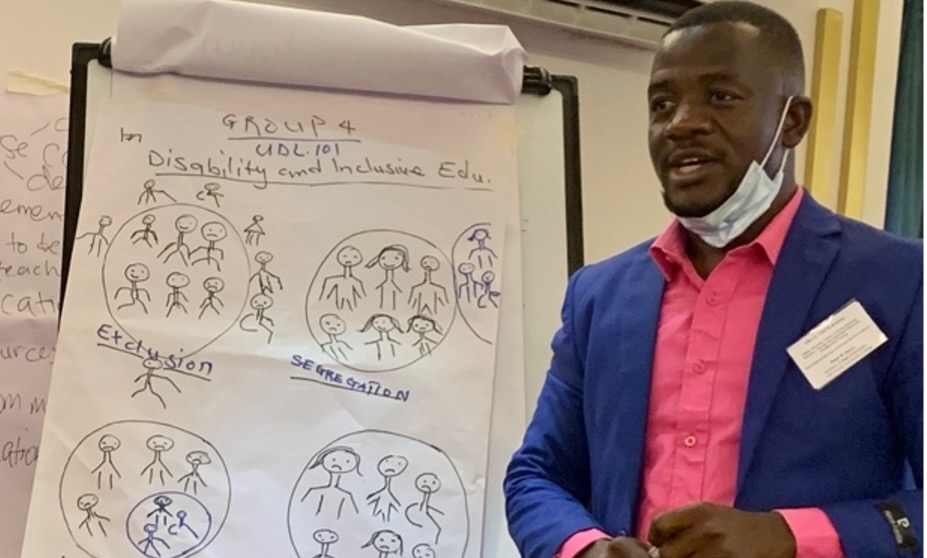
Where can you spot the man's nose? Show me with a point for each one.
(688, 119)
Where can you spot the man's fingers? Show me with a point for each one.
(694, 542)
(671, 524)
(624, 547)
(683, 546)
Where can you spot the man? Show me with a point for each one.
(674, 422)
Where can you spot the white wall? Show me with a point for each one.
(620, 191)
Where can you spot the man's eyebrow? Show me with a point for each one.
(658, 85)
(719, 76)
(661, 84)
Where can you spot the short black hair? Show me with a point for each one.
(779, 34)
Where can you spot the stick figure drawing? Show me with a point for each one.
(383, 324)
(331, 498)
(390, 258)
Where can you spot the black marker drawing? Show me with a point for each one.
(98, 239)
(480, 236)
(151, 365)
(265, 279)
(203, 318)
(423, 325)
(150, 195)
(185, 224)
(136, 273)
(333, 326)
(343, 286)
(337, 462)
(383, 325)
(161, 513)
(426, 296)
(210, 190)
(326, 538)
(387, 543)
(181, 524)
(422, 514)
(383, 501)
(477, 270)
(158, 445)
(469, 285)
(488, 293)
(212, 232)
(405, 478)
(149, 543)
(147, 233)
(213, 286)
(254, 231)
(423, 550)
(390, 258)
(108, 444)
(176, 281)
(196, 459)
(86, 504)
(259, 318)
(346, 288)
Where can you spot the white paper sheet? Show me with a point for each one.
(33, 143)
(265, 452)
(273, 44)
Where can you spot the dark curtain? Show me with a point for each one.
(904, 212)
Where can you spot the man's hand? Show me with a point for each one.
(713, 531)
(619, 547)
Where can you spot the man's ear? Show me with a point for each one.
(797, 122)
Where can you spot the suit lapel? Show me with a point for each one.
(638, 333)
(806, 257)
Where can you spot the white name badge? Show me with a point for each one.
(836, 344)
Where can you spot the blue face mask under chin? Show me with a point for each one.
(752, 198)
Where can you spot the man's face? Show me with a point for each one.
(715, 99)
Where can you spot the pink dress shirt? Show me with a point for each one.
(704, 347)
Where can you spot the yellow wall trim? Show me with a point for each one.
(863, 42)
(824, 82)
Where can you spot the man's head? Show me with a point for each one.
(718, 87)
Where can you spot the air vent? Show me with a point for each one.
(637, 22)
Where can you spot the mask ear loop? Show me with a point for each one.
(772, 147)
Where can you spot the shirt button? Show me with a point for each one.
(699, 366)
(713, 299)
(690, 441)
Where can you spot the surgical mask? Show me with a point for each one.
(752, 198)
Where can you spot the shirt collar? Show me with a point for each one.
(668, 250)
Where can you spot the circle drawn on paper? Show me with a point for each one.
(143, 488)
(372, 491)
(176, 272)
(381, 300)
(477, 284)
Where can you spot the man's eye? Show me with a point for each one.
(722, 97)
(659, 105)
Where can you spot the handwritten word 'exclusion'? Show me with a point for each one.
(329, 377)
(111, 337)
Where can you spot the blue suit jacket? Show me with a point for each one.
(845, 448)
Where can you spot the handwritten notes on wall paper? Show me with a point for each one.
(33, 143)
(279, 333)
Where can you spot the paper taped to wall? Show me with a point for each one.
(33, 144)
